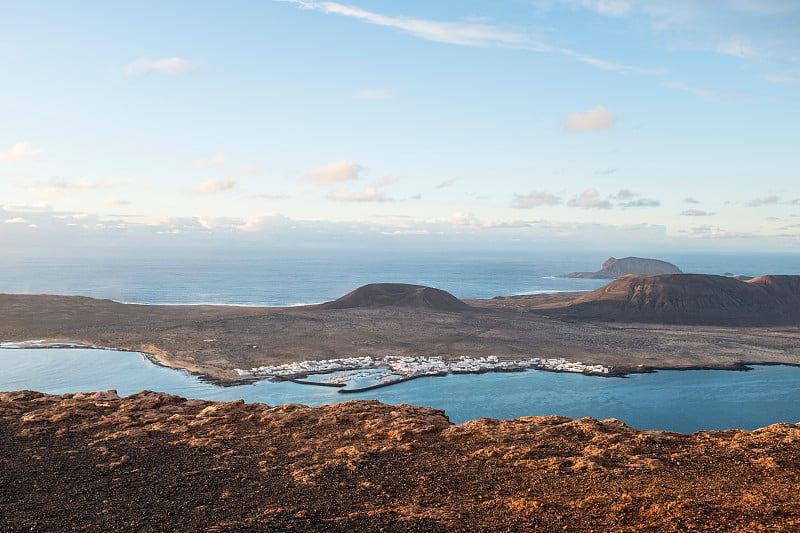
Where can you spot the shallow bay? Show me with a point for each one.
(683, 401)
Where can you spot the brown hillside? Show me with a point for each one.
(397, 295)
(690, 299)
(153, 462)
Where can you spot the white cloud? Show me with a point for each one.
(711, 95)
(714, 232)
(28, 208)
(374, 94)
(116, 202)
(469, 220)
(598, 118)
(737, 47)
(370, 194)
(534, 199)
(696, 213)
(20, 152)
(788, 78)
(59, 187)
(691, 200)
(216, 161)
(589, 199)
(212, 186)
(269, 196)
(641, 202)
(462, 33)
(338, 171)
(466, 33)
(16, 220)
(389, 180)
(760, 202)
(624, 194)
(169, 65)
(447, 183)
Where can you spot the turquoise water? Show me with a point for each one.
(683, 401)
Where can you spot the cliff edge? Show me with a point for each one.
(154, 462)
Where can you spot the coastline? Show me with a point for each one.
(161, 358)
(211, 342)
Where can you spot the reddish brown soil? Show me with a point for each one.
(152, 462)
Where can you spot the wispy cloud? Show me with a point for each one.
(606, 171)
(737, 47)
(469, 220)
(641, 202)
(534, 199)
(59, 187)
(215, 162)
(715, 232)
(691, 200)
(624, 194)
(710, 95)
(466, 33)
(116, 202)
(369, 194)
(335, 172)
(20, 152)
(169, 65)
(461, 33)
(787, 78)
(598, 118)
(589, 199)
(16, 220)
(212, 186)
(447, 183)
(761, 202)
(696, 213)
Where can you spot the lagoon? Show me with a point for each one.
(684, 401)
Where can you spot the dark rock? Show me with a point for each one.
(613, 268)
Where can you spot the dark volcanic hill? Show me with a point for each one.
(613, 268)
(690, 299)
(397, 295)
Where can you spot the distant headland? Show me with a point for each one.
(613, 268)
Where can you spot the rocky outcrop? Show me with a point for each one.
(398, 295)
(613, 268)
(153, 462)
(690, 299)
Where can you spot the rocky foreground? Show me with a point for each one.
(153, 462)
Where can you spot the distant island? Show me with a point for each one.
(613, 268)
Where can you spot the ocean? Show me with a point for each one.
(285, 278)
(681, 401)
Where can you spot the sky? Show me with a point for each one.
(517, 123)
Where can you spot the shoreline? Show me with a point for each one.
(161, 358)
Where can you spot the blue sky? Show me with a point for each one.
(570, 122)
